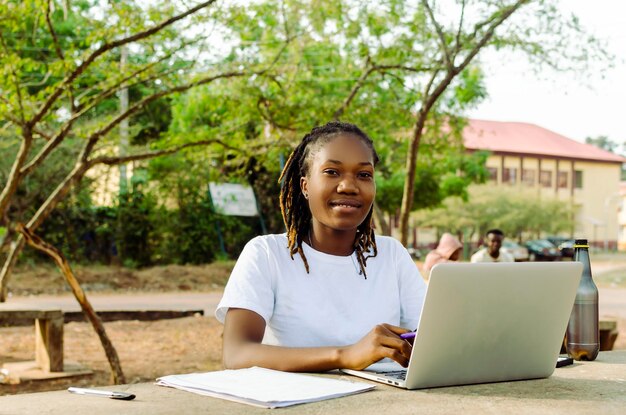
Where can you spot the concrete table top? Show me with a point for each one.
(583, 388)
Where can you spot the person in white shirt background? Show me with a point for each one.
(329, 293)
(491, 252)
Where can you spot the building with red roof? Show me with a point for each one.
(533, 157)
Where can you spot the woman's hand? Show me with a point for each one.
(382, 341)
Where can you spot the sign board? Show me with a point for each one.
(233, 199)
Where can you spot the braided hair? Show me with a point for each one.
(293, 205)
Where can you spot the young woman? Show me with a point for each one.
(328, 294)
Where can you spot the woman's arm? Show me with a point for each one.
(243, 333)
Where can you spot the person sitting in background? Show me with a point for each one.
(491, 252)
(448, 249)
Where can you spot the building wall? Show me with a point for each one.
(598, 199)
(621, 218)
(596, 202)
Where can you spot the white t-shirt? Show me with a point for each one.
(331, 306)
(483, 256)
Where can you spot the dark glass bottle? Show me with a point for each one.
(583, 336)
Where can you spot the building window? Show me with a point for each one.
(528, 177)
(493, 173)
(561, 180)
(509, 175)
(545, 178)
(578, 179)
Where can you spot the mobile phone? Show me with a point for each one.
(564, 361)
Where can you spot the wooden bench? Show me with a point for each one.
(48, 335)
(49, 362)
(608, 334)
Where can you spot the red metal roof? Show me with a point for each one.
(530, 139)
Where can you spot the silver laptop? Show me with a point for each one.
(488, 322)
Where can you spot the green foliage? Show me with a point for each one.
(310, 82)
(603, 142)
(518, 212)
(360, 61)
(137, 232)
(134, 227)
(84, 233)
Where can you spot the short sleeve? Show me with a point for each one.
(250, 284)
(412, 288)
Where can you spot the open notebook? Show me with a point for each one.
(487, 322)
(265, 388)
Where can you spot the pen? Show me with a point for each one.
(104, 394)
(409, 335)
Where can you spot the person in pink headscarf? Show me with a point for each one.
(449, 249)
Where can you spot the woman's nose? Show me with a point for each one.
(347, 185)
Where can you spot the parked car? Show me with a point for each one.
(519, 252)
(542, 250)
(566, 246)
(414, 252)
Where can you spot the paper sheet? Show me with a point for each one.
(264, 387)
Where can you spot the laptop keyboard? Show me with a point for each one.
(398, 374)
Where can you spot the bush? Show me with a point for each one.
(138, 233)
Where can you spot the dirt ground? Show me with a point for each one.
(40, 279)
(147, 349)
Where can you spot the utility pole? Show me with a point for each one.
(123, 144)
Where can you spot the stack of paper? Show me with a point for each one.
(263, 387)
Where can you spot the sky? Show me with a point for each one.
(562, 102)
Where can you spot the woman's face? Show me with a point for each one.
(340, 183)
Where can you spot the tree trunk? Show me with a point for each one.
(409, 183)
(42, 213)
(9, 263)
(14, 178)
(380, 222)
(117, 376)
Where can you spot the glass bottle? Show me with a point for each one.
(583, 336)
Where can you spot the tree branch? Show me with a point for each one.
(267, 114)
(55, 39)
(136, 107)
(14, 176)
(117, 375)
(116, 86)
(112, 161)
(457, 47)
(105, 48)
(415, 69)
(50, 145)
(358, 84)
(440, 34)
(500, 17)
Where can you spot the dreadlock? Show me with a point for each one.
(293, 205)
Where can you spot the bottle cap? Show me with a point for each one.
(580, 243)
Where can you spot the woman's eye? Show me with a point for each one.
(366, 175)
(331, 172)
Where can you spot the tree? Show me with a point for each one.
(452, 47)
(603, 142)
(424, 58)
(340, 64)
(61, 70)
(518, 213)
